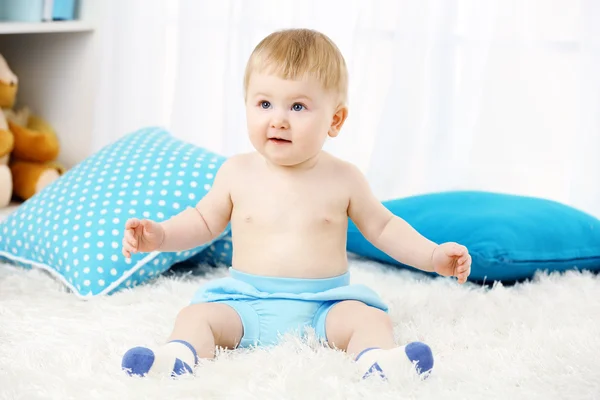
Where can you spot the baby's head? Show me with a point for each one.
(295, 87)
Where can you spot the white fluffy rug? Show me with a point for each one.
(539, 340)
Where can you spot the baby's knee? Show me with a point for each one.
(374, 316)
(362, 313)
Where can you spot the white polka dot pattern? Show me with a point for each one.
(74, 227)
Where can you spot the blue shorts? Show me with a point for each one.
(272, 306)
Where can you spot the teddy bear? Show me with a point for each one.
(8, 91)
(29, 146)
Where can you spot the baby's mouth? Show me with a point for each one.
(279, 140)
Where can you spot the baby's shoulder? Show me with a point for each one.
(341, 169)
(239, 162)
(343, 174)
(237, 167)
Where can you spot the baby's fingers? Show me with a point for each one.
(130, 238)
(463, 270)
(127, 249)
(464, 259)
(130, 244)
(456, 250)
(132, 223)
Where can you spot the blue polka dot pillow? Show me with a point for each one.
(74, 227)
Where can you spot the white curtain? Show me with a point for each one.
(444, 94)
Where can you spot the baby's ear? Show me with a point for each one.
(338, 120)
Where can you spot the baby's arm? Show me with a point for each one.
(384, 230)
(198, 225)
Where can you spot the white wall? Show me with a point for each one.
(519, 133)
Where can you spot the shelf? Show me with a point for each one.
(7, 28)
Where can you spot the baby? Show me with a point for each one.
(288, 204)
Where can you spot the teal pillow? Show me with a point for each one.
(74, 227)
(509, 237)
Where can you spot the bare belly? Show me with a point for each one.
(292, 254)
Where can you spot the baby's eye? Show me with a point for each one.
(298, 107)
(265, 104)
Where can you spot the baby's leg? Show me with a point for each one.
(366, 333)
(198, 329)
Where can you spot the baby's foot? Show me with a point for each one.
(377, 361)
(174, 358)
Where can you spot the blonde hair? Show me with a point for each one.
(295, 53)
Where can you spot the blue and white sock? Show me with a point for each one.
(174, 358)
(377, 361)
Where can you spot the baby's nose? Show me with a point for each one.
(279, 123)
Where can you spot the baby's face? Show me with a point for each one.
(288, 120)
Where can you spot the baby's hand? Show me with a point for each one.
(452, 259)
(142, 236)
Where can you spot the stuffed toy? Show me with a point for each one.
(28, 144)
(8, 91)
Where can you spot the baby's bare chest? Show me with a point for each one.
(293, 205)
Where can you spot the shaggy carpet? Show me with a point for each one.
(536, 340)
